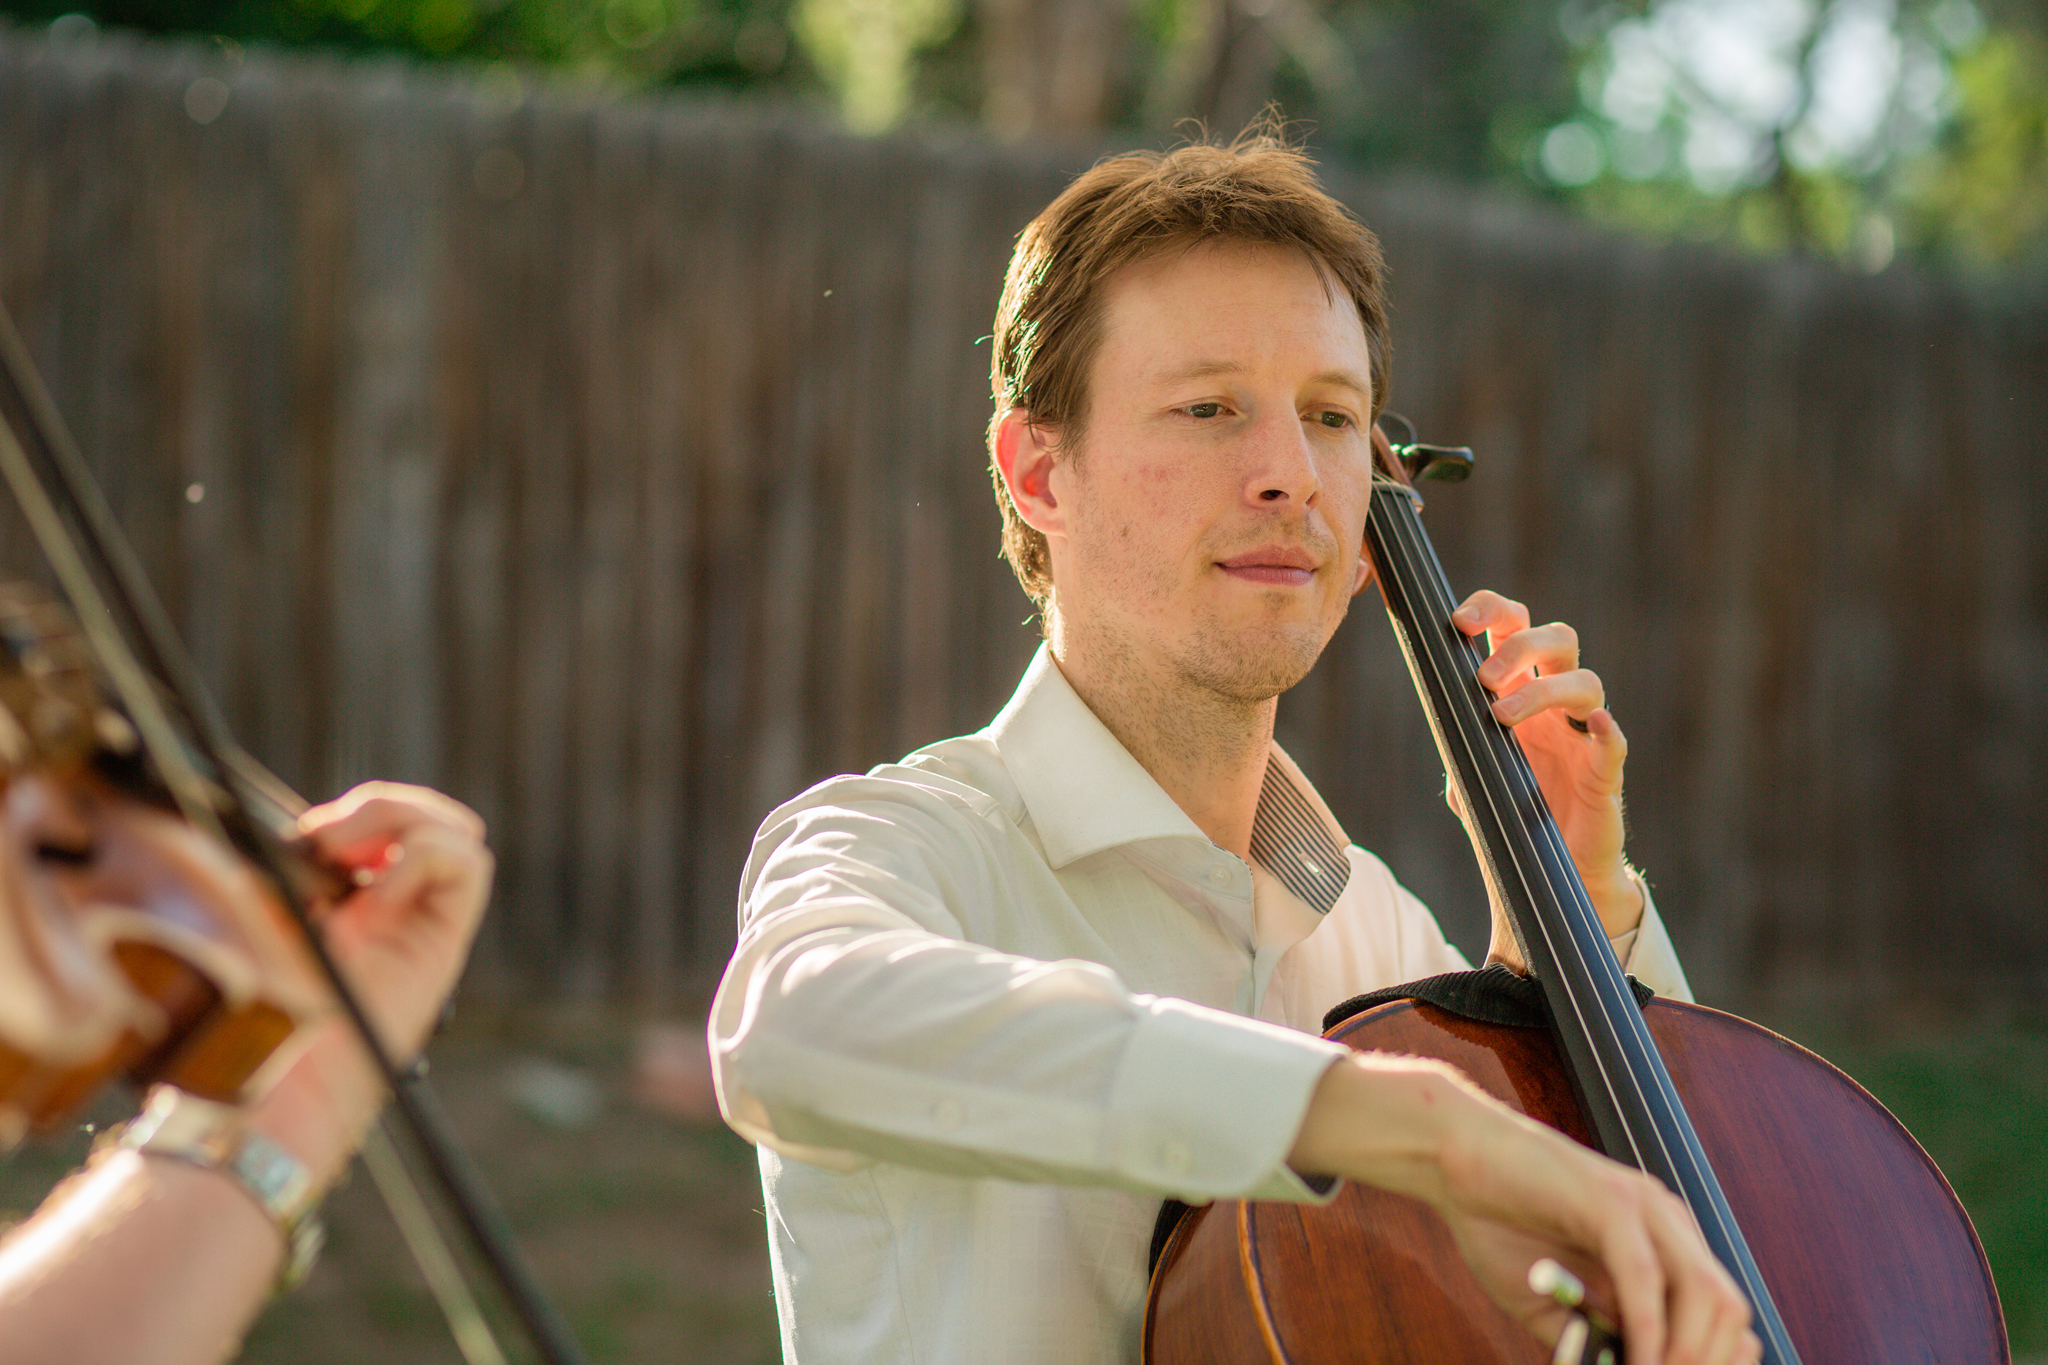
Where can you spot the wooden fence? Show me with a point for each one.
(616, 466)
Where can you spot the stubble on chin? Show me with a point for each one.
(1248, 660)
(1226, 665)
(1207, 695)
(1248, 665)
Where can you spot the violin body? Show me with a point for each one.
(1870, 1256)
(187, 1034)
(131, 943)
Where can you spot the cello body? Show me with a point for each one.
(1840, 1231)
(1869, 1254)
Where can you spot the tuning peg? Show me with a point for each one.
(1436, 464)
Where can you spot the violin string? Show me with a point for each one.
(25, 402)
(129, 681)
(1465, 711)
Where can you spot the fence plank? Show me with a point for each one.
(618, 466)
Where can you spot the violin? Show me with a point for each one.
(131, 944)
(1850, 1246)
(156, 920)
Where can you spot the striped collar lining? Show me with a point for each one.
(1296, 840)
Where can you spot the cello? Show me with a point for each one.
(1839, 1229)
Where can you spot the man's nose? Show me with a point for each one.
(1280, 465)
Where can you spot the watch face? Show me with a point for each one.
(272, 1173)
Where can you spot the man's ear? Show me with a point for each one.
(1024, 452)
(1363, 575)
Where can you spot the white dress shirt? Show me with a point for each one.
(992, 1003)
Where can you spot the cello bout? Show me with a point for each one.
(1871, 1257)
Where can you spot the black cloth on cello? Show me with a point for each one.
(1491, 995)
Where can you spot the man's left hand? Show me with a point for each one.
(1535, 673)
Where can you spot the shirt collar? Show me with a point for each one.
(1085, 792)
(1083, 789)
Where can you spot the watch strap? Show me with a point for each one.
(215, 1137)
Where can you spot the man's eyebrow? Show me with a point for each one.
(1344, 379)
(1209, 369)
(1203, 369)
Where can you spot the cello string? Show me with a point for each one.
(1412, 543)
(1458, 706)
(1433, 588)
(1462, 705)
(1462, 712)
(1436, 587)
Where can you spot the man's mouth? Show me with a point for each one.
(1280, 566)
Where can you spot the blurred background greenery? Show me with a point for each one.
(1859, 130)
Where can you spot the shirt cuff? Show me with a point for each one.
(1207, 1105)
(1646, 952)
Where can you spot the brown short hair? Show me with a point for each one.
(1130, 208)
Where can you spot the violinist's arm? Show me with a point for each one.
(142, 1259)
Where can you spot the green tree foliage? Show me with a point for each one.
(1851, 129)
(1854, 129)
(742, 44)
(868, 49)
(1982, 195)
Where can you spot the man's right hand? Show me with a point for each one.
(1513, 1191)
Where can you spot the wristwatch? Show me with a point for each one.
(214, 1136)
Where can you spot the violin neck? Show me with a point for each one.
(1623, 1086)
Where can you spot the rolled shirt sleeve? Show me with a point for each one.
(857, 1023)
(1646, 953)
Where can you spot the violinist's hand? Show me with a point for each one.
(1535, 672)
(423, 878)
(1514, 1191)
(184, 1256)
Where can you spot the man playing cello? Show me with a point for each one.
(992, 1003)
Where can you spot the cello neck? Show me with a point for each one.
(1622, 1083)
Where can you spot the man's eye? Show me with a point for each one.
(1205, 410)
(1334, 419)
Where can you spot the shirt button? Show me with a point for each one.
(948, 1115)
(1176, 1157)
(1219, 875)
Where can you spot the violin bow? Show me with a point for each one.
(224, 791)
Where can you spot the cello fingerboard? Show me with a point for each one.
(1623, 1085)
